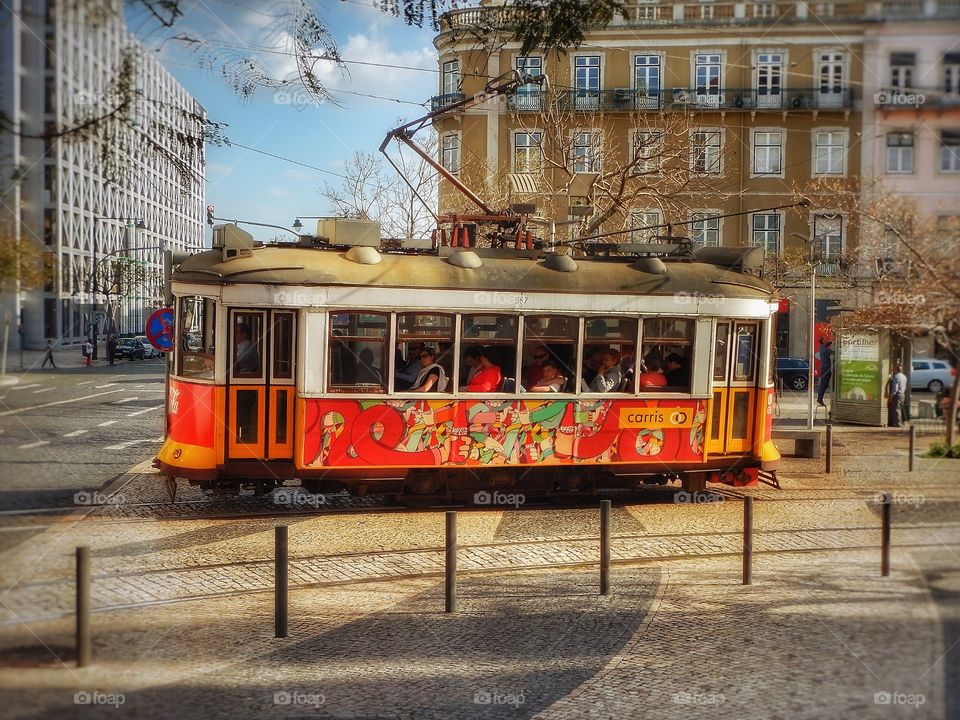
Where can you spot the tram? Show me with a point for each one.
(309, 363)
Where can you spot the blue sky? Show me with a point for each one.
(250, 186)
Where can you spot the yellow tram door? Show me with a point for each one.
(734, 387)
(260, 385)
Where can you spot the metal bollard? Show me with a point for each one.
(451, 564)
(747, 540)
(885, 542)
(829, 453)
(84, 648)
(605, 526)
(913, 445)
(280, 580)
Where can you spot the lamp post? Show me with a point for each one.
(136, 223)
(812, 259)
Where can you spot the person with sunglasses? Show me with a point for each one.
(408, 370)
(431, 377)
(534, 371)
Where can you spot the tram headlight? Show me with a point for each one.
(177, 453)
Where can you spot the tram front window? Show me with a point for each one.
(358, 352)
(667, 354)
(195, 345)
(247, 345)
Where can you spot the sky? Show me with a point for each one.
(246, 185)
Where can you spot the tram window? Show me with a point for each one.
(668, 351)
(745, 352)
(721, 353)
(196, 326)
(550, 353)
(489, 341)
(282, 332)
(248, 345)
(418, 333)
(609, 354)
(358, 352)
(247, 429)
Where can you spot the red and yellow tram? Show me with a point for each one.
(290, 364)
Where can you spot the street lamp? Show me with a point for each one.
(136, 223)
(812, 259)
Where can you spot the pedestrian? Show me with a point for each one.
(48, 356)
(895, 393)
(826, 369)
(88, 352)
(111, 348)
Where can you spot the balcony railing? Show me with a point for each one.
(441, 101)
(630, 100)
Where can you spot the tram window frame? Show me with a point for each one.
(625, 337)
(664, 344)
(549, 342)
(255, 322)
(196, 363)
(433, 339)
(751, 377)
(495, 345)
(283, 341)
(334, 340)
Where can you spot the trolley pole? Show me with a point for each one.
(280, 580)
(84, 652)
(451, 563)
(885, 542)
(605, 527)
(748, 540)
(829, 454)
(913, 445)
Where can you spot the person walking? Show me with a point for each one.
(111, 348)
(48, 356)
(88, 352)
(895, 392)
(826, 369)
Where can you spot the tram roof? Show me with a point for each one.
(293, 265)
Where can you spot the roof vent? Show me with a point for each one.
(363, 255)
(560, 263)
(651, 265)
(232, 242)
(467, 259)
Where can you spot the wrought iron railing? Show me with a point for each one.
(442, 101)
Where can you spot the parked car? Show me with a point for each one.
(794, 371)
(932, 375)
(149, 350)
(130, 348)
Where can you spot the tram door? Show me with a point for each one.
(261, 391)
(734, 387)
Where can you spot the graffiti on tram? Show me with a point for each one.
(429, 433)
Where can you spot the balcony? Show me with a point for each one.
(438, 102)
(676, 99)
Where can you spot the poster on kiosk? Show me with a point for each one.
(862, 367)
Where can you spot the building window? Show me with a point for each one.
(950, 151)
(901, 70)
(705, 229)
(769, 80)
(828, 233)
(643, 225)
(451, 153)
(528, 95)
(586, 82)
(705, 152)
(646, 80)
(647, 151)
(450, 78)
(951, 73)
(829, 152)
(527, 156)
(766, 232)
(899, 152)
(830, 67)
(586, 152)
(707, 75)
(767, 153)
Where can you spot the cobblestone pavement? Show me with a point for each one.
(819, 634)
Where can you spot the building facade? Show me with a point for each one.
(102, 162)
(715, 117)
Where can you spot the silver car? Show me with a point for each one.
(149, 351)
(932, 375)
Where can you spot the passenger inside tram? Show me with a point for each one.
(550, 379)
(488, 378)
(608, 377)
(367, 372)
(652, 377)
(676, 371)
(432, 377)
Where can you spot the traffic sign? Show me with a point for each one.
(160, 329)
